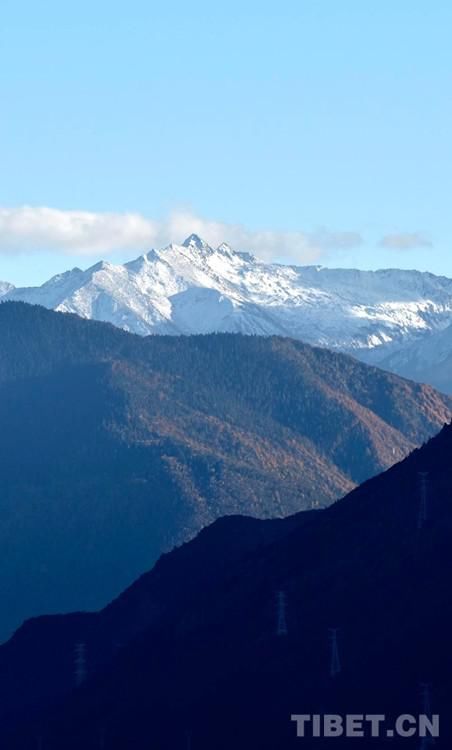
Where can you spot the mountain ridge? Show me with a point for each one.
(141, 441)
(194, 288)
(207, 646)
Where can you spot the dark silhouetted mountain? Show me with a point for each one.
(193, 647)
(114, 448)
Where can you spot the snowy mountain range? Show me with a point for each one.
(400, 320)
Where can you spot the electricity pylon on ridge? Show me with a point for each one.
(424, 509)
(80, 663)
(335, 662)
(281, 600)
(426, 701)
(102, 738)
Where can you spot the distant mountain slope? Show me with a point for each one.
(199, 633)
(114, 448)
(193, 288)
(428, 359)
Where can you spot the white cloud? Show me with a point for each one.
(405, 241)
(28, 229)
(36, 229)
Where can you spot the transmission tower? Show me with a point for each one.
(281, 601)
(80, 663)
(102, 738)
(335, 663)
(424, 515)
(426, 701)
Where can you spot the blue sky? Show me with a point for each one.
(317, 129)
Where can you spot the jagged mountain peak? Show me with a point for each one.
(194, 241)
(224, 248)
(102, 265)
(194, 288)
(5, 287)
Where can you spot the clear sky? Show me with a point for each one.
(310, 131)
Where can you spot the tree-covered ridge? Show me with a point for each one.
(113, 447)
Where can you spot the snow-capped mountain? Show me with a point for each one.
(427, 359)
(5, 288)
(194, 288)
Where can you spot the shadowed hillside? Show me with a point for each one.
(115, 448)
(196, 644)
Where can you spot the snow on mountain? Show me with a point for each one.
(427, 359)
(5, 287)
(194, 288)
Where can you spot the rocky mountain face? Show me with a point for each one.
(345, 610)
(114, 447)
(193, 288)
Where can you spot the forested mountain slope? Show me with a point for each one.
(114, 448)
(197, 643)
